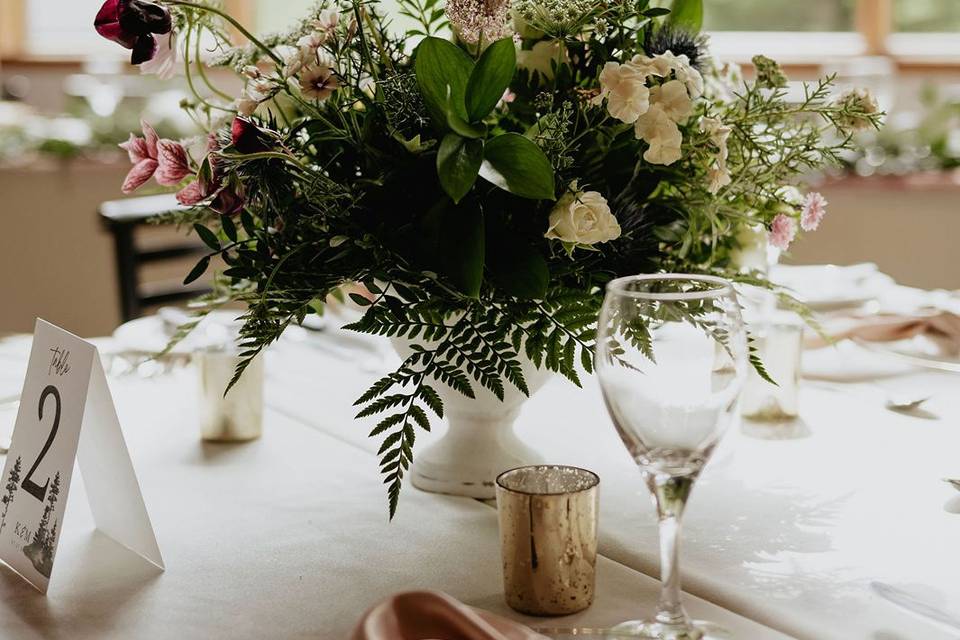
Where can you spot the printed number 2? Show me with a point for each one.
(29, 485)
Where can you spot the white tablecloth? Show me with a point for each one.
(287, 536)
(283, 537)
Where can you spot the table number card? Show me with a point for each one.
(66, 413)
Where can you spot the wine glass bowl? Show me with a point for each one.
(671, 359)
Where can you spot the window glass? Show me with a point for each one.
(65, 29)
(927, 15)
(780, 15)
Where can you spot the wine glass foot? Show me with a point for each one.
(655, 630)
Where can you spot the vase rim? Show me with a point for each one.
(621, 286)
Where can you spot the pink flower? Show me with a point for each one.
(143, 155)
(783, 230)
(193, 193)
(151, 156)
(814, 208)
(173, 163)
(225, 199)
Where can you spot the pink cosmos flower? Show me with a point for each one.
(814, 208)
(783, 230)
(165, 159)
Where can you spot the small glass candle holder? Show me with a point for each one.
(548, 538)
(238, 415)
(779, 343)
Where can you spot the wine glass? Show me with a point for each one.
(671, 359)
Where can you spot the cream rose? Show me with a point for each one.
(582, 217)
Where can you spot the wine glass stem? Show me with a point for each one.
(671, 494)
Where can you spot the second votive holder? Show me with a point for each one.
(548, 538)
(779, 342)
(238, 415)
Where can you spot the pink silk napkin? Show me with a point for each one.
(431, 615)
(943, 327)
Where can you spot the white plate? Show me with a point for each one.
(150, 334)
(830, 287)
(919, 351)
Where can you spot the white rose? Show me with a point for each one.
(661, 133)
(672, 98)
(627, 94)
(540, 56)
(582, 217)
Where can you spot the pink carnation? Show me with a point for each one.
(783, 230)
(814, 208)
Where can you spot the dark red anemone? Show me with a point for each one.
(132, 24)
(248, 137)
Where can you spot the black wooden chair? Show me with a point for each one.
(123, 219)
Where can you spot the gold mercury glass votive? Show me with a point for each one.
(238, 416)
(548, 538)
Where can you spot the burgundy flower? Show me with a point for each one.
(247, 137)
(132, 24)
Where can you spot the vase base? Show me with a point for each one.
(481, 489)
(470, 472)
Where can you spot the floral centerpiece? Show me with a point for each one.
(483, 174)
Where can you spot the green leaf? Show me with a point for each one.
(442, 70)
(462, 248)
(458, 162)
(229, 228)
(360, 300)
(209, 237)
(516, 164)
(197, 270)
(654, 12)
(464, 128)
(490, 78)
(687, 14)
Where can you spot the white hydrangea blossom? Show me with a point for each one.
(626, 91)
(659, 131)
(655, 110)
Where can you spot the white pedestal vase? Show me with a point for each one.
(480, 442)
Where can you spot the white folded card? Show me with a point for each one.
(66, 413)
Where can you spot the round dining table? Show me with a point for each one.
(837, 525)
